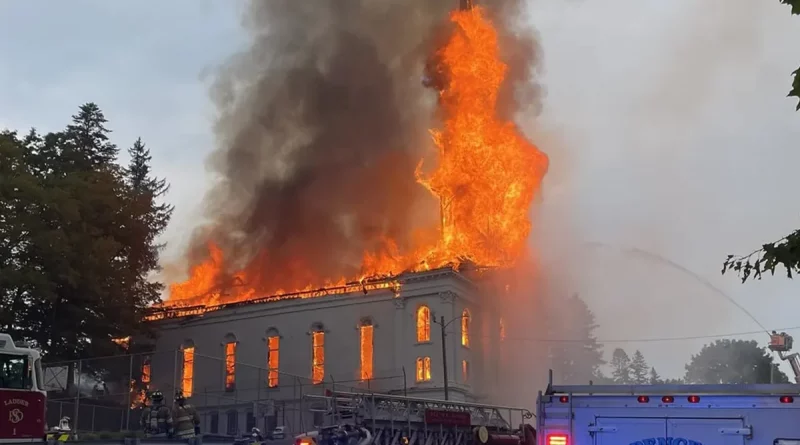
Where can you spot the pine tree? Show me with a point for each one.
(639, 368)
(15, 183)
(674, 381)
(655, 379)
(77, 239)
(138, 172)
(150, 218)
(87, 138)
(578, 361)
(621, 367)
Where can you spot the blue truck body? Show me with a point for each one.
(669, 415)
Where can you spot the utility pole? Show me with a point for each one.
(444, 360)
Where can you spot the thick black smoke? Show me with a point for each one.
(321, 123)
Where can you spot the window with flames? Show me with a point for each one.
(466, 320)
(230, 366)
(366, 330)
(187, 380)
(317, 357)
(273, 360)
(423, 324)
(423, 369)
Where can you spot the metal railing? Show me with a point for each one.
(103, 395)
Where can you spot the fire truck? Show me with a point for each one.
(382, 419)
(23, 400)
(762, 414)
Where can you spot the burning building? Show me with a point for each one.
(251, 363)
(324, 186)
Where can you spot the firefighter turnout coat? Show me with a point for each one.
(186, 420)
(157, 419)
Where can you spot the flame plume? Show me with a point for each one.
(485, 176)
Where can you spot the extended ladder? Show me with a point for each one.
(398, 420)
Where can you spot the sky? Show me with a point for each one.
(667, 125)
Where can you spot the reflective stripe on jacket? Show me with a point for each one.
(186, 419)
(157, 420)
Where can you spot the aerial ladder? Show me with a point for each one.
(782, 344)
(384, 419)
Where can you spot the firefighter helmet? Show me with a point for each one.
(157, 396)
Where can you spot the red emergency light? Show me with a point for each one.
(563, 399)
(668, 399)
(643, 399)
(557, 439)
(787, 399)
(693, 399)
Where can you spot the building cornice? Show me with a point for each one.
(398, 288)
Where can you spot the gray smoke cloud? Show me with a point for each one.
(321, 122)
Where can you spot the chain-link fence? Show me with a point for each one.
(99, 394)
(108, 394)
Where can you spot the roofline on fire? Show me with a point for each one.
(394, 283)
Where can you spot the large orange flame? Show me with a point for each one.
(486, 178)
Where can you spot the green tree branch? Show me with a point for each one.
(785, 251)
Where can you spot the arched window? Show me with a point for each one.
(502, 329)
(423, 324)
(366, 331)
(466, 321)
(230, 362)
(317, 354)
(273, 357)
(187, 372)
(423, 369)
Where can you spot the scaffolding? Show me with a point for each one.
(399, 420)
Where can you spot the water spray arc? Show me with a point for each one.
(656, 258)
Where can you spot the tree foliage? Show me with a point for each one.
(795, 92)
(639, 369)
(576, 362)
(632, 371)
(733, 362)
(786, 251)
(77, 238)
(654, 378)
(621, 367)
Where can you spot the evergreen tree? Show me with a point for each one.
(578, 360)
(621, 367)
(87, 140)
(150, 219)
(655, 379)
(674, 382)
(77, 238)
(639, 368)
(15, 222)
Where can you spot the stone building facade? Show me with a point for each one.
(252, 364)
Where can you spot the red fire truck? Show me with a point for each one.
(23, 400)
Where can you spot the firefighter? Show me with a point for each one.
(157, 418)
(187, 422)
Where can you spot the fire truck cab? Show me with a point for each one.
(22, 396)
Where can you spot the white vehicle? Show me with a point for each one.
(766, 414)
(279, 432)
